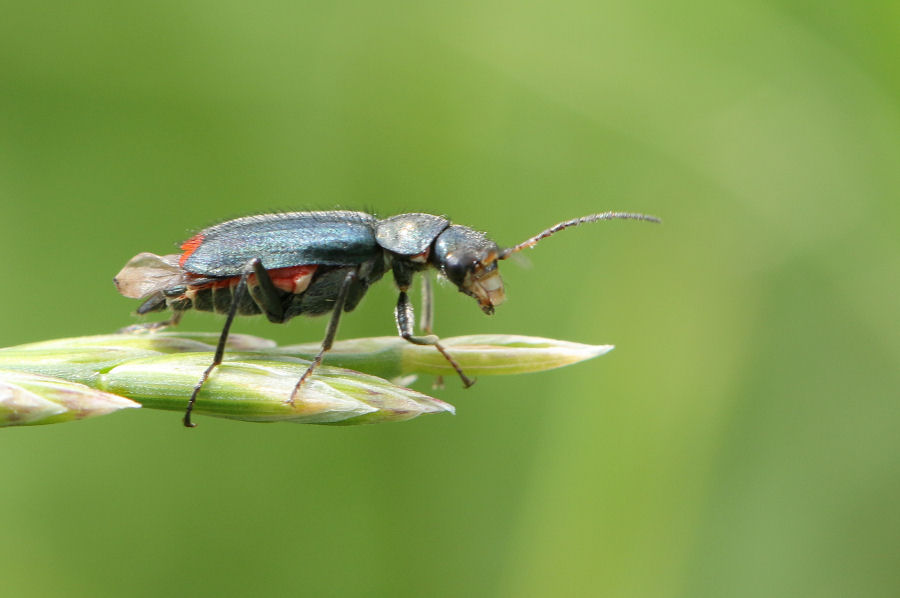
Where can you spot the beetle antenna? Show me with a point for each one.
(574, 222)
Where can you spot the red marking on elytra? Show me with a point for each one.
(189, 247)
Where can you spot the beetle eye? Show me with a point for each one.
(456, 267)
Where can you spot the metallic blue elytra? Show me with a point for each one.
(312, 263)
(338, 238)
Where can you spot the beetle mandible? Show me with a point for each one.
(312, 263)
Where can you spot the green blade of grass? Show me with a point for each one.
(159, 370)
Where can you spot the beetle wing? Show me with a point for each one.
(147, 273)
(335, 238)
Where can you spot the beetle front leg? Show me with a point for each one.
(349, 279)
(405, 321)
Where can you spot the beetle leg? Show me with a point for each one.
(427, 321)
(405, 319)
(153, 326)
(239, 291)
(267, 295)
(331, 332)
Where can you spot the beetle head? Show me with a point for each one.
(469, 260)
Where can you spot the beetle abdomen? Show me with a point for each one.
(216, 295)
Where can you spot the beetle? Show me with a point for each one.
(313, 263)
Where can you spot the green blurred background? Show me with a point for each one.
(740, 441)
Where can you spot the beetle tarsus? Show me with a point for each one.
(467, 382)
(435, 342)
(197, 387)
(152, 326)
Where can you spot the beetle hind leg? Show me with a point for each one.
(153, 326)
(239, 291)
